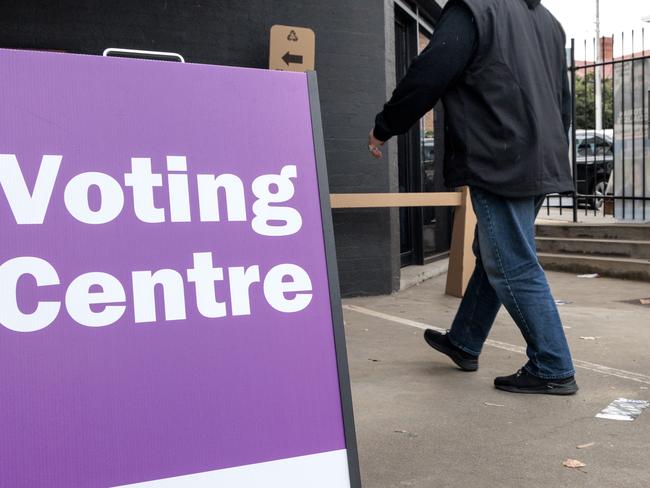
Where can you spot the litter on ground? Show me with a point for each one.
(623, 409)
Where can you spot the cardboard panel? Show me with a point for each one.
(292, 48)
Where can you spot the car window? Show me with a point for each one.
(586, 147)
(603, 148)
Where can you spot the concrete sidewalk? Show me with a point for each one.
(423, 423)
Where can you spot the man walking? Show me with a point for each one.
(499, 67)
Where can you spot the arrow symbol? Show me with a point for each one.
(292, 58)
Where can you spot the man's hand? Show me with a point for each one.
(374, 144)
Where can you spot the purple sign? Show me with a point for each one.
(165, 308)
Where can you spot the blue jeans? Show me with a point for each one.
(508, 272)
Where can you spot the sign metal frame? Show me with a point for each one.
(333, 280)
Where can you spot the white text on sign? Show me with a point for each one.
(97, 299)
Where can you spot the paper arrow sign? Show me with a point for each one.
(292, 58)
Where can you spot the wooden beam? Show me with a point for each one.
(385, 200)
(461, 258)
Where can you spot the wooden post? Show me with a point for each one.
(461, 257)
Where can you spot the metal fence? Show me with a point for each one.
(610, 146)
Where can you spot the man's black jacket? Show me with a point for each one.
(499, 67)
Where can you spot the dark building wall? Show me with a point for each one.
(351, 62)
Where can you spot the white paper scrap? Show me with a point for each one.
(623, 409)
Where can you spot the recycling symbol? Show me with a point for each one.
(292, 36)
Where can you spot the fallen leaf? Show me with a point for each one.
(573, 463)
(488, 404)
(586, 446)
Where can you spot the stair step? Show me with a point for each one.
(622, 248)
(625, 268)
(633, 232)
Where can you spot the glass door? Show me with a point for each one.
(436, 221)
(425, 233)
(408, 146)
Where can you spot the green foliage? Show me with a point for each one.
(586, 102)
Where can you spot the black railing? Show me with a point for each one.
(610, 153)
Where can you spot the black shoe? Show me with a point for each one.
(524, 382)
(440, 342)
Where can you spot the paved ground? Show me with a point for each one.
(422, 423)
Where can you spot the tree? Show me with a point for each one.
(586, 102)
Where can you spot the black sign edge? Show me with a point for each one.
(333, 279)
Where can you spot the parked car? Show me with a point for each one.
(595, 162)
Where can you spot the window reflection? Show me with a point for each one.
(427, 158)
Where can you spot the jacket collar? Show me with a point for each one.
(532, 3)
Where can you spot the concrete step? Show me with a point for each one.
(630, 232)
(625, 268)
(618, 248)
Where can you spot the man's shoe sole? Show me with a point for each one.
(541, 390)
(463, 364)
